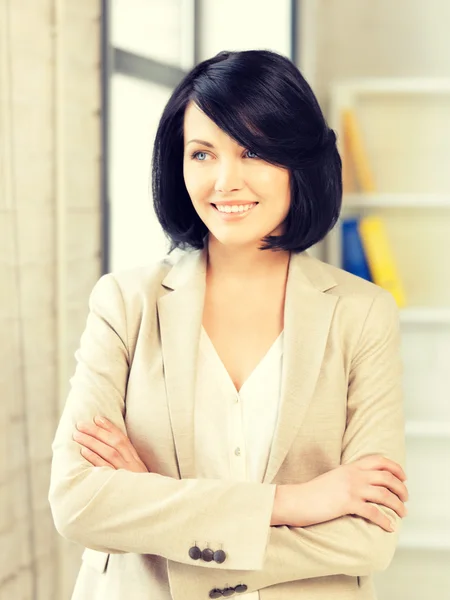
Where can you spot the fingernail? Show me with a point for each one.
(392, 527)
(100, 420)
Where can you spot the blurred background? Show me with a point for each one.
(82, 87)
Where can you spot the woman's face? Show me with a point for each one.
(221, 174)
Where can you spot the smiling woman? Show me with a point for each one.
(227, 182)
(245, 128)
(253, 432)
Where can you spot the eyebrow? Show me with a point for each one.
(201, 142)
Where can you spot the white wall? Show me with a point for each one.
(135, 235)
(362, 38)
(150, 28)
(244, 25)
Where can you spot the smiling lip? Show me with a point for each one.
(232, 203)
(228, 216)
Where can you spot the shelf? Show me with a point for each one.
(427, 429)
(425, 533)
(425, 315)
(424, 541)
(371, 201)
(397, 85)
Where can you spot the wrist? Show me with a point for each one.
(294, 506)
(281, 505)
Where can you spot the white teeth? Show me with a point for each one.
(235, 208)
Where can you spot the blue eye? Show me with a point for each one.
(195, 156)
(199, 154)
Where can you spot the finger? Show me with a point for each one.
(381, 463)
(374, 515)
(387, 480)
(389, 465)
(109, 454)
(383, 496)
(115, 439)
(94, 458)
(106, 424)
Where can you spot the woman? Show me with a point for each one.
(235, 425)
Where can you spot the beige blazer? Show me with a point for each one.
(341, 400)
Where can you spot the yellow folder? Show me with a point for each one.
(380, 259)
(355, 150)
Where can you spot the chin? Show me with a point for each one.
(236, 239)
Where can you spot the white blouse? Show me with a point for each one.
(234, 430)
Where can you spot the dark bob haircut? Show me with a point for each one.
(261, 100)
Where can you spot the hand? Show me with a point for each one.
(104, 445)
(348, 489)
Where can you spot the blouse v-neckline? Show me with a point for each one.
(276, 346)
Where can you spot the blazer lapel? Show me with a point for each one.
(307, 320)
(180, 313)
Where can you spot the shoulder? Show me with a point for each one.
(144, 278)
(345, 285)
(135, 288)
(365, 319)
(357, 298)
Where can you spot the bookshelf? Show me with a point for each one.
(429, 541)
(425, 315)
(413, 199)
(370, 201)
(427, 429)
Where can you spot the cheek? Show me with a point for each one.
(274, 184)
(285, 185)
(196, 184)
(189, 180)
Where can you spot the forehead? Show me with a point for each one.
(197, 124)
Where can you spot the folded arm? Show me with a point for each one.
(348, 545)
(118, 511)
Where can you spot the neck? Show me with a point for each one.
(245, 264)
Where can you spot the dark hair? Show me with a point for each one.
(261, 100)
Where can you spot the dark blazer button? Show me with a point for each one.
(195, 552)
(207, 554)
(219, 556)
(215, 593)
(240, 588)
(228, 591)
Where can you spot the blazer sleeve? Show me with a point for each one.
(348, 545)
(116, 511)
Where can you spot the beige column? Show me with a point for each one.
(49, 260)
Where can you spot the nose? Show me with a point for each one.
(229, 176)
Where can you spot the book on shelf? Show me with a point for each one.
(382, 265)
(367, 253)
(356, 161)
(353, 256)
(366, 250)
(349, 181)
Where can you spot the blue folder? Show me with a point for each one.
(353, 255)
